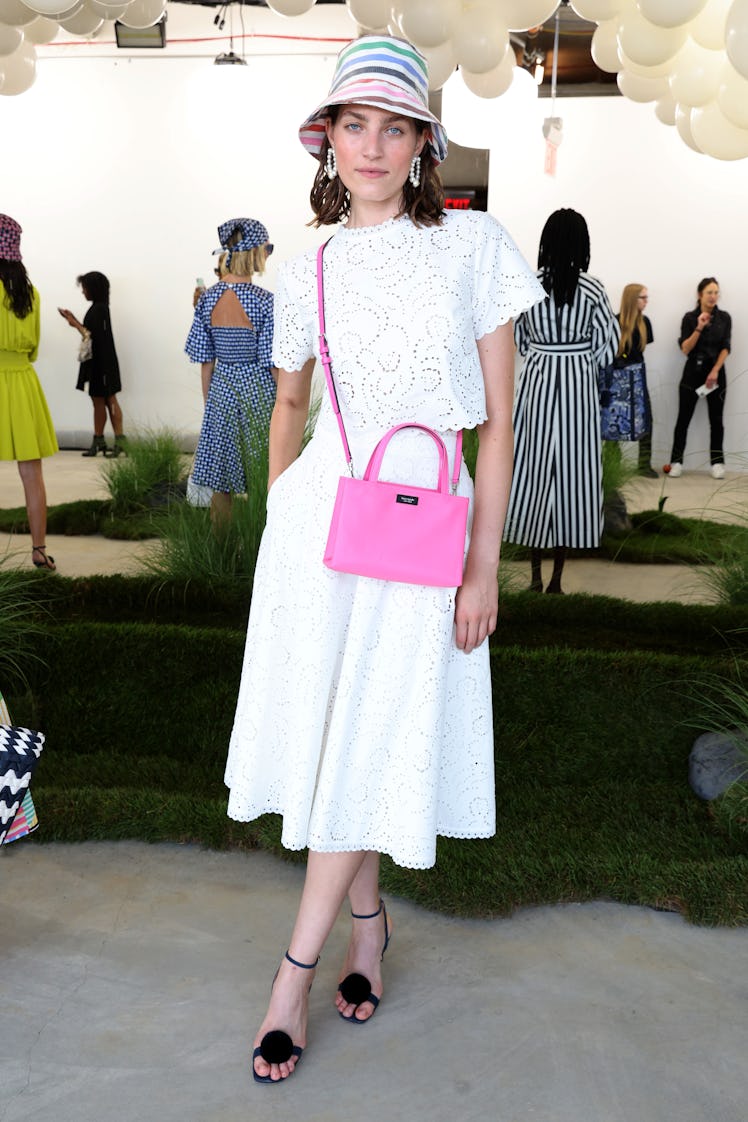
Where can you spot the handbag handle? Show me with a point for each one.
(324, 354)
(375, 463)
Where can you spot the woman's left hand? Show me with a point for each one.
(476, 611)
(712, 379)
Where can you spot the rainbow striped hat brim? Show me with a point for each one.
(386, 73)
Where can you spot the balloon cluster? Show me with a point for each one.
(471, 34)
(26, 23)
(689, 57)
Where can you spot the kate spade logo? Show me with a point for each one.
(409, 500)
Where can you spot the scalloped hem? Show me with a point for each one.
(404, 860)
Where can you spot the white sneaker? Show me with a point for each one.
(718, 471)
(676, 470)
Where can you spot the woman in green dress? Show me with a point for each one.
(26, 431)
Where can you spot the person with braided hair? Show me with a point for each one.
(556, 500)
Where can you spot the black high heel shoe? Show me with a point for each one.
(276, 1046)
(355, 989)
(43, 560)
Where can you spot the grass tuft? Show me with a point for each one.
(149, 476)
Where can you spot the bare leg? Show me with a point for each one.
(36, 499)
(115, 414)
(329, 877)
(99, 411)
(220, 513)
(364, 955)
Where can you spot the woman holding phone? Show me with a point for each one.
(705, 338)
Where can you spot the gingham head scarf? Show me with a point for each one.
(386, 73)
(10, 239)
(253, 234)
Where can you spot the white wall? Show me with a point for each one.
(659, 214)
(127, 165)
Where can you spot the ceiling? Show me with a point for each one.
(577, 74)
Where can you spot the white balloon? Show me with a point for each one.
(372, 15)
(604, 46)
(665, 109)
(107, 11)
(143, 13)
(291, 7)
(733, 97)
(661, 70)
(16, 14)
(85, 22)
(717, 136)
(696, 74)
(429, 23)
(521, 15)
(708, 28)
(646, 44)
(52, 8)
(670, 13)
(597, 10)
(636, 88)
(683, 125)
(10, 39)
(736, 36)
(494, 82)
(442, 63)
(19, 70)
(67, 14)
(480, 40)
(42, 30)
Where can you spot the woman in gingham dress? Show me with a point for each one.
(232, 338)
(556, 499)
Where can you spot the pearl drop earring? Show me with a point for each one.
(414, 175)
(331, 163)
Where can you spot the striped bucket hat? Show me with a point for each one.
(383, 72)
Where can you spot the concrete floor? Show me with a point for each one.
(133, 977)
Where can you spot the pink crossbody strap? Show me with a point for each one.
(324, 353)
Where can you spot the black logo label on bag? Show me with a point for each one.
(409, 500)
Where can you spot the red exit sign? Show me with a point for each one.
(459, 200)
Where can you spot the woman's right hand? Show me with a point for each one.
(68, 315)
(703, 321)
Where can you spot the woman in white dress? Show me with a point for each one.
(364, 713)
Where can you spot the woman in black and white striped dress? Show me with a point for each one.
(557, 499)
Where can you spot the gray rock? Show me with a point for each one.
(717, 759)
(616, 516)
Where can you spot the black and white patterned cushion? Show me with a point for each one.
(20, 750)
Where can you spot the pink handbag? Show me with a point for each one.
(394, 531)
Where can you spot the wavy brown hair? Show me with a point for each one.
(424, 204)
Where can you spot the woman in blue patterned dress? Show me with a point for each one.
(232, 338)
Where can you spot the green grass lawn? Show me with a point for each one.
(591, 770)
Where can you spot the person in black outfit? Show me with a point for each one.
(101, 370)
(705, 338)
